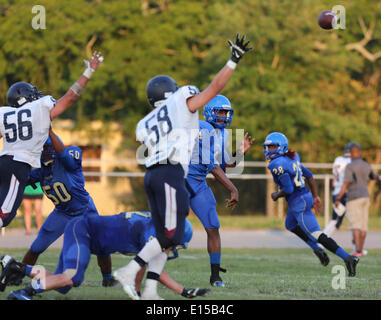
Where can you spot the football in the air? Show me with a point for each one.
(327, 19)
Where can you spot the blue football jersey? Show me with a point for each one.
(289, 174)
(63, 182)
(126, 232)
(209, 151)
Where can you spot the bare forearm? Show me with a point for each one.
(313, 188)
(221, 177)
(166, 280)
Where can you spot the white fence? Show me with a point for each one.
(326, 177)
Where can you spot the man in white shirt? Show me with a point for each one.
(24, 127)
(169, 133)
(338, 170)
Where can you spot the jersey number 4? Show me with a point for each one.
(22, 128)
(160, 123)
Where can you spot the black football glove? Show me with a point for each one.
(192, 293)
(238, 48)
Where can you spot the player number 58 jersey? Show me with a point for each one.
(169, 132)
(25, 130)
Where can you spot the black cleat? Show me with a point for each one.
(322, 255)
(216, 282)
(112, 282)
(351, 262)
(12, 271)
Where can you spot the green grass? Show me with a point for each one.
(239, 222)
(271, 274)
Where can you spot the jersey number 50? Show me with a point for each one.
(62, 195)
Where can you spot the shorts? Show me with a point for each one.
(33, 196)
(357, 213)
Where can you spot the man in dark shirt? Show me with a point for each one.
(356, 177)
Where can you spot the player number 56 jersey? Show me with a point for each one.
(25, 130)
(169, 132)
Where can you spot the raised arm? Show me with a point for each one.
(238, 49)
(76, 89)
(57, 143)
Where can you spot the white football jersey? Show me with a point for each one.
(338, 172)
(25, 130)
(169, 131)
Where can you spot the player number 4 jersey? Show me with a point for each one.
(169, 132)
(25, 130)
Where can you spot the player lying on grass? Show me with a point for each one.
(24, 126)
(289, 174)
(126, 233)
(210, 155)
(61, 178)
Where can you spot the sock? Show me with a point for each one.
(341, 253)
(157, 264)
(150, 250)
(37, 286)
(106, 276)
(215, 257)
(330, 228)
(28, 270)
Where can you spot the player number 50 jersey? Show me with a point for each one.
(169, 132)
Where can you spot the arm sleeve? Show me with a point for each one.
(71, 158)
(286, 183)
(306, 172)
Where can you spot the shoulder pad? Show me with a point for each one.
(189, 91)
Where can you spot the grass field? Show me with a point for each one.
(263, 274)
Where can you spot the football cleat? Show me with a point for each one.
(127, 280)
(216, 282)
(18, 295)
(322, 255)
(112, 282)
(351, 263)
(151, 296)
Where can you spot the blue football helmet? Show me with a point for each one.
(188, 233)
(275, 139)
(211, 109)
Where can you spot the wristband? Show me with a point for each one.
(88, 72)
(231, 64)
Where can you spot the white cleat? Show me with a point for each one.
(127, 279)
(151, 296)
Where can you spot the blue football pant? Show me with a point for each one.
(54, 227)
(203, 204)
(75, 255)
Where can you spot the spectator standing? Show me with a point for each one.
(356, 177)
(32, 196)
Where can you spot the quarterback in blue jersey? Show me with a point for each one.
(126, 233)
(61, 178)
(289, 174)
(210, 156)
